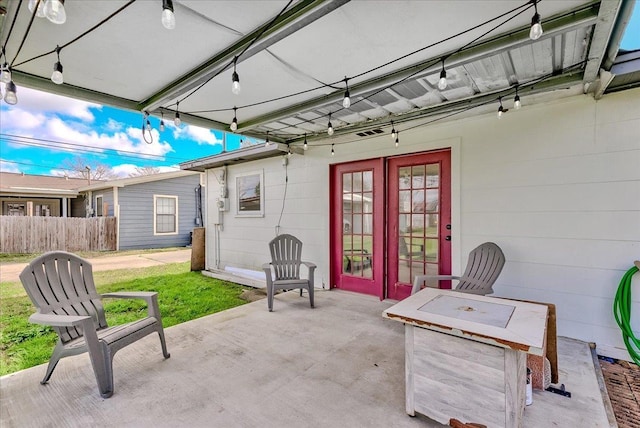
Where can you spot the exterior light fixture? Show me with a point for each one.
(346, 101)
(5, 76)
(394, 133)
(54, 11)
(305, 146)
(168, 17)
(267, 142)
(536, 26)
(329, 126)
(56, 76)
(501, 110)
(10, 96)
(176, 121)
(235, 79)
(234, 122)
(442, 83)
(516, 101)
(397, 139)
(333, 153)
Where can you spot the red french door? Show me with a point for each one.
(419, 220)
(357, 226)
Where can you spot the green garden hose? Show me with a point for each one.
(622, 312)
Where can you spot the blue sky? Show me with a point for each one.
(33, 133)
(43, 130)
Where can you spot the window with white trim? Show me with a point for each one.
(165, 215)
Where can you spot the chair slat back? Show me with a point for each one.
(62, 283)
(286, 255)
(485, 264)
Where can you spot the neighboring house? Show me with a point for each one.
(153, 211)
(41, 195)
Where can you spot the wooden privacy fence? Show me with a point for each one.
(27, 235)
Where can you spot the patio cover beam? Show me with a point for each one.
(555, 83)
(583, 16)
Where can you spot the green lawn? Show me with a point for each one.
(182, 296)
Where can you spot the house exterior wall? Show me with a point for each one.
(555, 185)
(136, 211)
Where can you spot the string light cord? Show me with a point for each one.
(525, 7)
(237, 56)
(26, 33)
(464, 110)
(13, 22)
(90, 30)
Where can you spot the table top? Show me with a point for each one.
(499, 322)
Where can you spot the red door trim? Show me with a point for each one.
(375, 285)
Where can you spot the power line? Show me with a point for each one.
(80, 148)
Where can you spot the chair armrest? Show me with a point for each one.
(54, 320)
(312, 268)
(419, 280)
(151, 297)
(309, 265)
(266, 267)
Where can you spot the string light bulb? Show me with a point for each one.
(442, 83)
(333, 152)
(305, 146)
(397, 139)
(346, 101)
(5, 76)
(235, 79)
(168, 17)
(329, 126)
(516, 101)
(267, 142)
(54, 11)
(161, 121)
(56, 76)
(39, 11)
(176, 120)
(394, 133)
(289, 153)
(234, 122)
(501, 110)
(10, 96)
(536, 27)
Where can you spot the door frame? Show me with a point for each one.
(445, 249)
(376, 285)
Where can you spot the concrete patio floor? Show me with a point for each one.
(340, 364)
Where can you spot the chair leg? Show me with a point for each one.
(105, 378)
(311, 296)
(53, 362)
(270, 297)
(162, 341)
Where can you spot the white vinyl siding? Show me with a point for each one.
(555, 185)
(165, 215)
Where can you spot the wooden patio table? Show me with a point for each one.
(465, 355)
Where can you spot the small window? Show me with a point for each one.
(250, 195)
(165, 215)
(99, 210)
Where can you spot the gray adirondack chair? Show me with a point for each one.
(61, 286)
(485, 264)
(283, 273)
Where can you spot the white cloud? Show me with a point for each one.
(37, 102)
(8, 166)
(13, 119)
(129, 141)
(124, 170)
(195, 133)
(114, 125)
